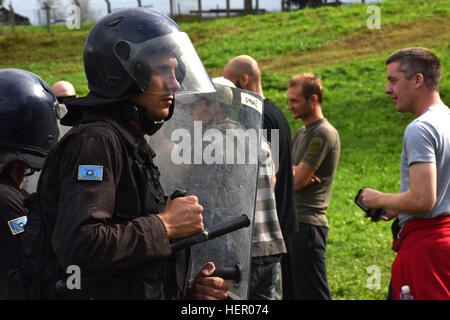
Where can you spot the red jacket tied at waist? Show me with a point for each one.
(423, 260)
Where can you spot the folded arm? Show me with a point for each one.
(304, 176)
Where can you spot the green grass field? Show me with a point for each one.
(336, 44)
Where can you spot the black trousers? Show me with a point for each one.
(303, 267)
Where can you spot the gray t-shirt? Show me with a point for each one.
(427, 139)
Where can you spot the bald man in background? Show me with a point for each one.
(63, 90)
(245, 73)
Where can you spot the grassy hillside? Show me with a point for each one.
(336, 44)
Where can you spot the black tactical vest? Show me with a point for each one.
(138, 193)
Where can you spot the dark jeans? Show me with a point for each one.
(304, 269)
(263, 278)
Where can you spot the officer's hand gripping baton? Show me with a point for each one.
(212, 232)
(208, 234)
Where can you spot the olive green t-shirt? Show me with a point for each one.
(318, 145)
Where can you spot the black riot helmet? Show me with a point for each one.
(121, 53)
(28, 118)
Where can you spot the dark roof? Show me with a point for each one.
(5, 10)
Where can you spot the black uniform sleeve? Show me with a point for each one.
(11, 247)
(84, 234)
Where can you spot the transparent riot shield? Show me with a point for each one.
(210, 149)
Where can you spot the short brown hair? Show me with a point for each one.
(418, 60)
(310, 83)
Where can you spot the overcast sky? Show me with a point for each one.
(28, 8)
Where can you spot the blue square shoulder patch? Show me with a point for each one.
(16, 225)
(90, 173)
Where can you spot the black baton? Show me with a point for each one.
(212, 232)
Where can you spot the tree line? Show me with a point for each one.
(87, 14)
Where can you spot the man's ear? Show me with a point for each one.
(313, 99)
(419, 80)
(243, 80)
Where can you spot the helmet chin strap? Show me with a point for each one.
(149, 125)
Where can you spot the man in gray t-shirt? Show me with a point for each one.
(427, 140)
(423, 205)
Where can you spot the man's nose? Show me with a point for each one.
(388, 89)
(172, 82)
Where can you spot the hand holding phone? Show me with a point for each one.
(375, 213)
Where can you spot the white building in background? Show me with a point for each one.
(28, 7)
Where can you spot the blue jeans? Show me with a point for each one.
(263, 280)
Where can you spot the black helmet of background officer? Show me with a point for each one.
(28, 114)
(123, 51)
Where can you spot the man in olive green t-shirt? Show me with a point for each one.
(315, 155)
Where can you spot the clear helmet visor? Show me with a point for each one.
(172, 59)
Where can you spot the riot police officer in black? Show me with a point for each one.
(28, 112)
(101, 204)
